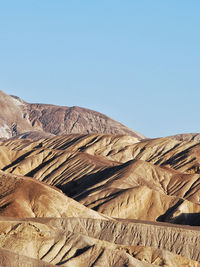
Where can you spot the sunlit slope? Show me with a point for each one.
(150, 180)
(77, 200)
(24, 197)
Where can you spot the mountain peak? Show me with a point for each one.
(18, 117)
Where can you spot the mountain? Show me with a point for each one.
(150, 180)
(76, 192)
(106, 200)
(19, 118)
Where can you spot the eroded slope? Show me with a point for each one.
(112, 178)
(92, 170)
(74, 242)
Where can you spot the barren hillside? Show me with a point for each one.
(115, 181)
(79, 189)
(19, 118)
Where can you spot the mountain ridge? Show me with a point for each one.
(78, 188)
(20, 117)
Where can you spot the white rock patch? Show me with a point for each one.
(17, 102)
(5, 131)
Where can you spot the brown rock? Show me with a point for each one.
(19, 118)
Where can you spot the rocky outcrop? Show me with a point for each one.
(12, 118)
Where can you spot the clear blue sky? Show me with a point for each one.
(136, 61)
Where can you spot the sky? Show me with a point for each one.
(137, 61)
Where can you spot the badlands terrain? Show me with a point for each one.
(80, 189)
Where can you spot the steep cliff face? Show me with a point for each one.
(19, 118)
